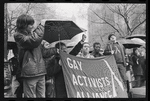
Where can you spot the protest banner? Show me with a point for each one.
(92, 78)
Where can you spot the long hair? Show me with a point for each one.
(23, 21)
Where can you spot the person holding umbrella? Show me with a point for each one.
(117, 49)
(31, 72)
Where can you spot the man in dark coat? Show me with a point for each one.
(55, 68)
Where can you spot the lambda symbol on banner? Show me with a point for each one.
(113, 76)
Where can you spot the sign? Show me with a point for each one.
(92, 78)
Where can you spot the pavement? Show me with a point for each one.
(139, 92)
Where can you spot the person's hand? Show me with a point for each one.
(137, 61)
(112, 51)
(57, 51)
(43, 41)
(83, 38)
(43, 22)
(60, 63)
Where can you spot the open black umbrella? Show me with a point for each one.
(127, 43)
(56, 30)
(141, 36)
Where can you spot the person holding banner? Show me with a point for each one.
(48, 52)
(118, 50)
(55, 68)
(96, 52)
(85, 51)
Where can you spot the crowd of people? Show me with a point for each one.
(37, 67)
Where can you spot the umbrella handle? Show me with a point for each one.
(59, 40)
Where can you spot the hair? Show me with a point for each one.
(96, 43)
(59, 44)
(23, 21)
(85, 43)
(110, 36)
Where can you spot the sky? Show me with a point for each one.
(75, 11)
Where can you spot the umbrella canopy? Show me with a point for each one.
(60, 30)
(138, 40)
(69, 43)
(130, 43)
(141, 36)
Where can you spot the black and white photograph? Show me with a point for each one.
(75, 50)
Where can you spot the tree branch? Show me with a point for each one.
(105, 21)
(28, 8)
(138, 25)
(120, 29)
(131, 8)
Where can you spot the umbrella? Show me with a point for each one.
(69, 43)
(56, 30)
(141, 36)
(127, 43)
(138, 39)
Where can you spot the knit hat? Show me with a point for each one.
(110, 36)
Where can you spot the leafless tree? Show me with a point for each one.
(133, 16)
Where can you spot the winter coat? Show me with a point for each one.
(48, 54)
(111, 46)
(54, 69)
(136, 65)
(30, 52)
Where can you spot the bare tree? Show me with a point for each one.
(36, 10)
(130, 14)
